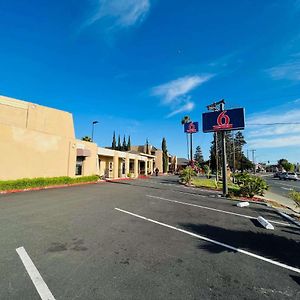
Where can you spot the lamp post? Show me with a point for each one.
(93, 125)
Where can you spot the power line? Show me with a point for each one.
(270, 124)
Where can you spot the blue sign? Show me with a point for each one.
(191, 127)
(231, 119)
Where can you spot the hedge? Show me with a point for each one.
(27, 183)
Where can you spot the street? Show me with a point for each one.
(144, 239)
(282, 187)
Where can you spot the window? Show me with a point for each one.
(79, 165)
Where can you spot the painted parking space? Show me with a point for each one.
(85, 249)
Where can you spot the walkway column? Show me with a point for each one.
(136, 168)
(146, 167)
(127, 165)
(116, 166)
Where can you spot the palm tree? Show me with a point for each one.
(186, 119)
(87, 139)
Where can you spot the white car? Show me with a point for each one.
(291, 176)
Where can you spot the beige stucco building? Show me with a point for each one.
(38, 141)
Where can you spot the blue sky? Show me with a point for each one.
(139, 66)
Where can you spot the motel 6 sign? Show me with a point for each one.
(191, 127)
(230, 119)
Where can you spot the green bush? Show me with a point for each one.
(187, 174)
(250, 185)
(26, 183)
(295, 196)
(207, 171)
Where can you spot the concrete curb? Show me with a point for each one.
(288, 218)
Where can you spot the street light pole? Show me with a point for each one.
(93, 125)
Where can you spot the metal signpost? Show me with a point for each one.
(223, 120)
(191, 127)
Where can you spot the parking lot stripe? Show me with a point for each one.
(214, 209)
(35, 275)
(273, 262)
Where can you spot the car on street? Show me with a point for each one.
(288, 176)
(276, 174)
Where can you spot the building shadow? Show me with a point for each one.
(276, 247)
(296, 278)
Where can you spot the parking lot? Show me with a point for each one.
(143, 239)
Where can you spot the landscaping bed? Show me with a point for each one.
(26, 184)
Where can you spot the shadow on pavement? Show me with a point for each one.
(295, 278)
(275, 247)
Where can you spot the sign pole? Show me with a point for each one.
(191, 146)
(224, 160)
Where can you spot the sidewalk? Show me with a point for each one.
(285, 201)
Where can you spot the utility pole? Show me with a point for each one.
(253, 159)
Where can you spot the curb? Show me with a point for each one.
(288, 218)
(49, 187)
(65, 185)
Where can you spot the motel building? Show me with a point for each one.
(38, 141)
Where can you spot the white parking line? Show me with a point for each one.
(215, 242)
(215, 209)
(35, 275)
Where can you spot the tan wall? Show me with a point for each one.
(104, 166)
(159, 160)
(91, 163)
(35, 141)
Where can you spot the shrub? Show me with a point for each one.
(187, 174)
(207, 171)
(250, 185)
(26, 183)
(295, 196)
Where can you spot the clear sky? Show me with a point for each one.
(138, 66)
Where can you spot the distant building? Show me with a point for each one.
(182, 163)
(157, 156)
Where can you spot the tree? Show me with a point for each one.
(165, 155)
(114, 143)
(186, 119)
(147, 147)
(289, 167)
(129, 144)
(234, 151)
(87, 139)
(198, 157)
(282, 161)
(124, 145)
(119, 147)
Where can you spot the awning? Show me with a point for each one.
(83, 152)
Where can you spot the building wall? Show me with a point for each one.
(35, 141)
(104, 166)
(159, 160)
(91, 162)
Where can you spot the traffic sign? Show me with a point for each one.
(191, 127)
(230, 119)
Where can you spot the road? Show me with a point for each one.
(282, 187)
(143, 239)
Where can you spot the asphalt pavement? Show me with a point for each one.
(282, 187)
(143, 239)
